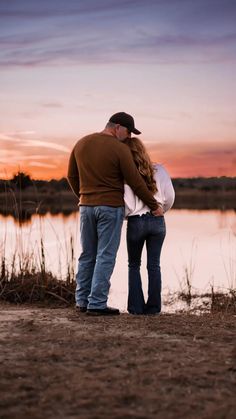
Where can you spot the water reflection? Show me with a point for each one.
(222, 217)
(202, 243)
(25, 216)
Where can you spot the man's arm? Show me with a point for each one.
(136, 182)
(73, 175)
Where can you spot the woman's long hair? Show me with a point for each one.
(142, 161)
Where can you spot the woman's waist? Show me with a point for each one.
(144, 216)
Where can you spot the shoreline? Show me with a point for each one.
(42, 290)
(24, 204)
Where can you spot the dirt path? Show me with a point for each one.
(55, 363)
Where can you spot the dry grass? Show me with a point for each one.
(25, 278)
(225, 303)
(37, 289)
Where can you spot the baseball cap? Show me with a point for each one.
(125, 120)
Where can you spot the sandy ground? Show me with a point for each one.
(55, 363)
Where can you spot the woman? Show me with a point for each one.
(143, 227)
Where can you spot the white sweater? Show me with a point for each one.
(165, 194)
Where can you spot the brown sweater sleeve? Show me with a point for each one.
(73, 175)
(135, 180)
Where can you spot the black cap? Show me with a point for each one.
(125, 120)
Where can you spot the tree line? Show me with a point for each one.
(22, 181)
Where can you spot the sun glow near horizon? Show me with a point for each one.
(191, 160)
(172, 68)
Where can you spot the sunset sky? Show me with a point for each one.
(67, 66)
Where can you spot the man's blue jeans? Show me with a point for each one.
(100, 231)
(140, 229)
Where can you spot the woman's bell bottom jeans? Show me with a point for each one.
(151, 230)
(100, 231)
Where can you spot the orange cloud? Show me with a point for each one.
(195, 159)
(40, 159)
(180, 159)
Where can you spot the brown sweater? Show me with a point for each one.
(98, 166)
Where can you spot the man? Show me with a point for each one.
(98, 166)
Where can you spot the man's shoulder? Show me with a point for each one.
(123, 147)
(99, 135)
(84, 139)
(120, 148)
(87, 137)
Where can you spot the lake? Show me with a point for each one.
(202, 243)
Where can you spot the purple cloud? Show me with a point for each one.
(72, 32)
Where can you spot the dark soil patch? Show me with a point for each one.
(56, 363)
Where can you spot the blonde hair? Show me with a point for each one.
(142, 161)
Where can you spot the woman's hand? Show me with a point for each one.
(159, 211)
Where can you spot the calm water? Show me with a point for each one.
(201, 242)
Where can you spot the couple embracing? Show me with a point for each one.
(112, 175)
